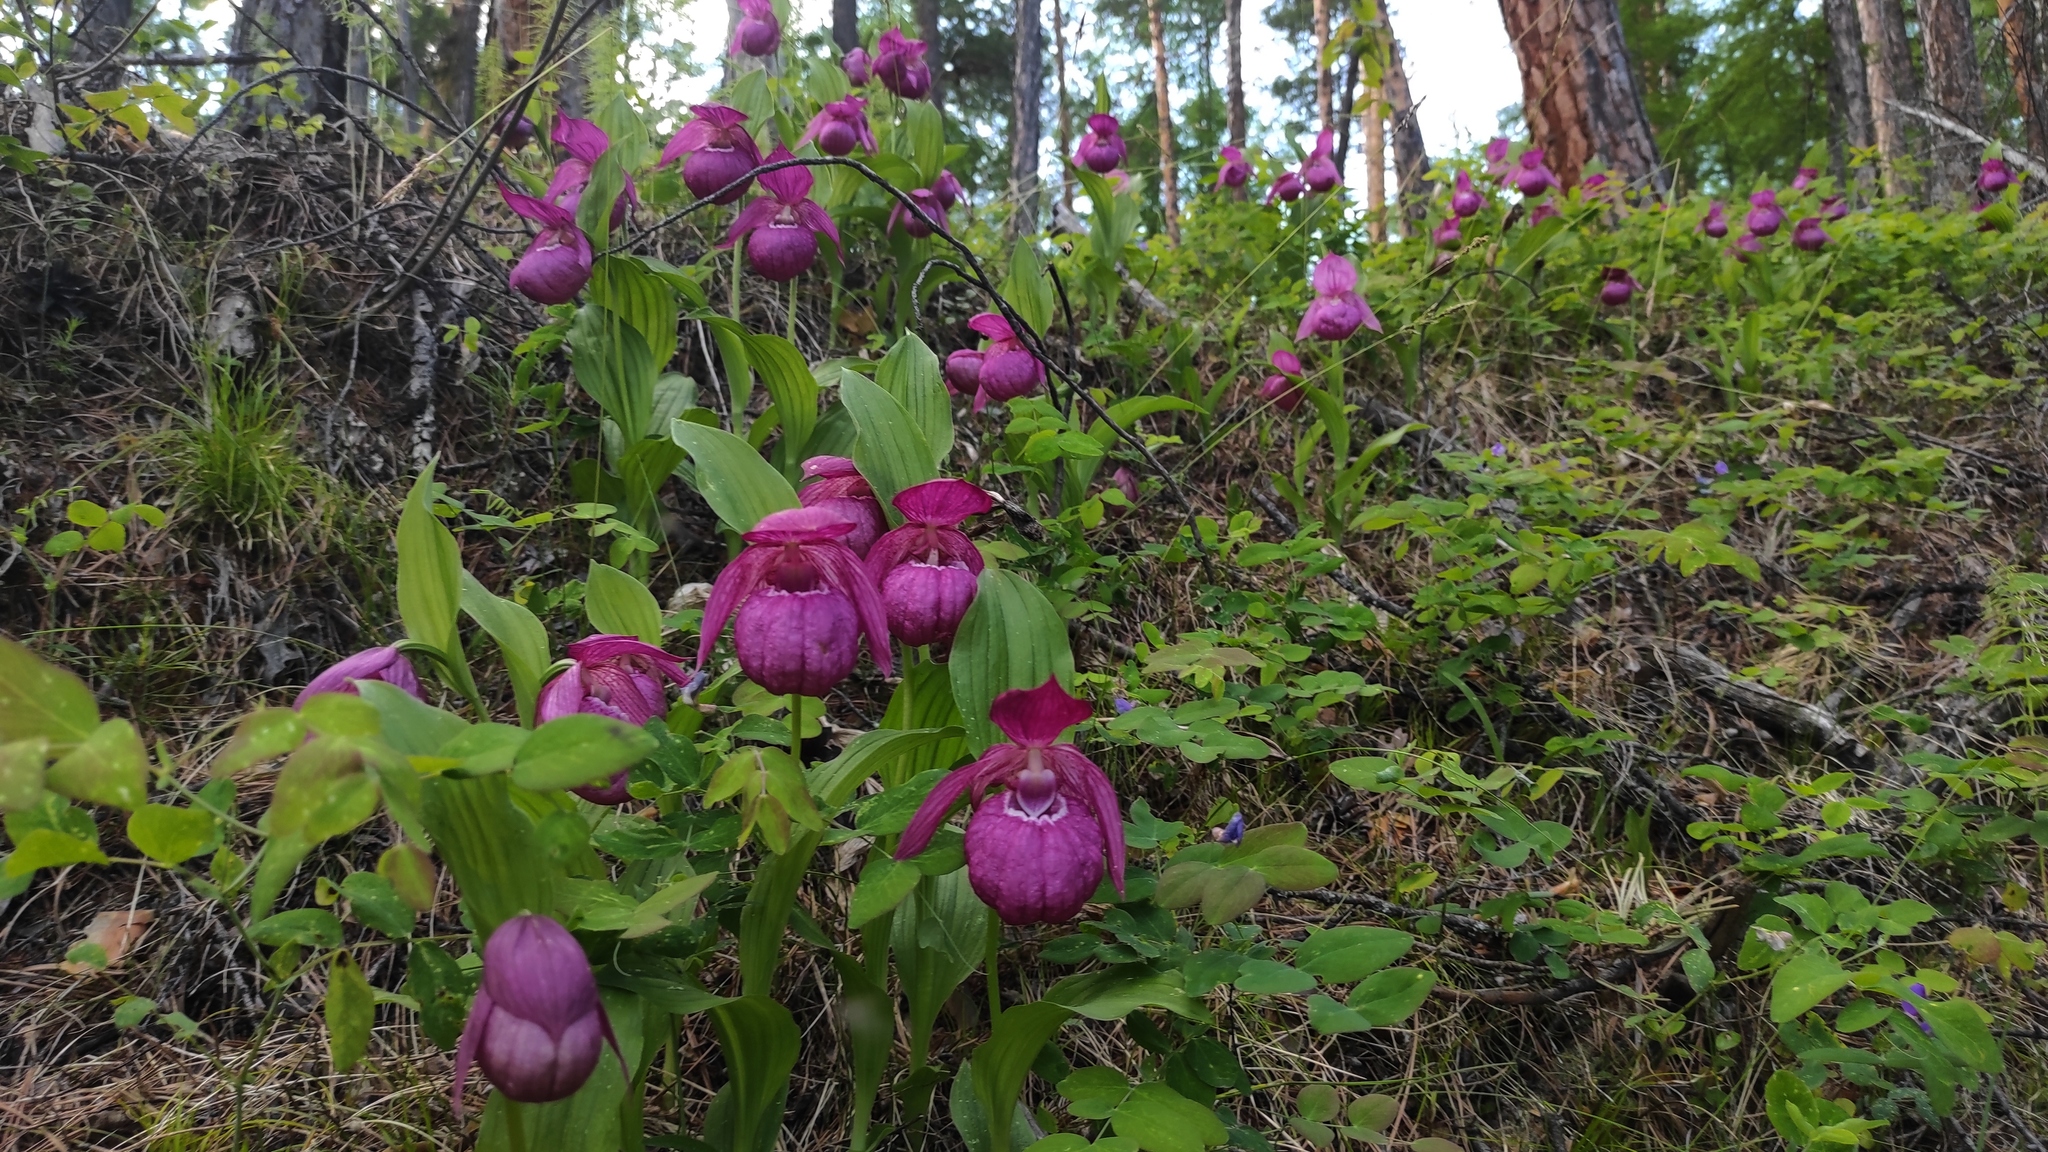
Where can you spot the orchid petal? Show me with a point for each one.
(799, 526)
(606, 646)
(997, 763)
(812, 216)
(563, 696)
(842, 569)
(943, 502)
(581, 138)
(1035, 717)
(1286, 361)
(789, 185)
(757, 214)
(1081, 774)
(1335, 275)
(830, 466)
(993, 326)
(537, 210)
(748, 571)
(480, 1012)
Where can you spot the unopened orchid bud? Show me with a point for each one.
(537, 1027)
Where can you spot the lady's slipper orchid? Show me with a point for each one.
(930, 215)
(900, 66)
(1235, 171)
(782, 228)
(537, 1027)
(947, 188)
(963, 371)
(1035, 852)
(517, 133)
(556, 265)
(1126, 482)
(1809, 236)
(1102, 146)
(720, 151)
(1466, 201)
(1745, 246)
(1805, 179)
(1542, 212)
(1446, 234)
(1283, 389)
(858, 67)
(1338, 310)
(1619, 287)
(1715, 222)
(616, 676)
(1319, 171)
(926, 569)
(803, 601)
(1532, 177)
(840, 126)
(1994, 176)
(1007, 369)
(1288, 187)
(1497, 165)
(839, 486)
(586, 144)
(1764, 214)
(386, 664)
(758, 33)
(1834, 207)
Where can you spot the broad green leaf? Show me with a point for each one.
(739, 485)
(1958, 1024)
(624, 286)
(375, 901)
(49, 848)
(264, 734)
(21, 772)
(37, 698)
(1807, 979)
(311, 927)
(890, 451)
(759, 1039)
(912, 374)
(522, 641)
(924, 135)
(1391, 996)
(410, 872)
(936, 939)
(793, 389)
(1329, 1017)
(487, 842)
(1271, 977)
(1346, 955)
(1002, 1061)
(1162, 1120)
(835, 781)
(619, 605)
(580, 749)
(615, 366)
(1011, 637)
(430, 581)
(411, 726)
(1290, 868)
(350, 1007)
(766, 912)
(1027, 288)
(884, 883)
(171, 835)
(110, 767)
(1113, 993)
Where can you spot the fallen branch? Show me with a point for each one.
(1457, 922)
(1789, 719)
(2031, 166)
(1620, 970)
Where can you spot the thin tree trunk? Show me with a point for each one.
(1066, 122)
(846, 24)
(1411, 159)
(1233, 66)
(358, 34)
(1347, 113)
(2025, 31)
(102, 29)
(1322, 15)
(1374, 155)
(935, 55)
(515, 32)
(1955, 84)
(1027, 80)
(1848, 83)
(312, 36)
(459, 49)
(408, 76)
(1579, 94)
(1169, 194)
(1888, 72)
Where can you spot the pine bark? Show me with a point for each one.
(1888, 72)
(102, 28)
(1169, 194)
(1347, 104)
(1373, 153)
(935, 52)
(1322, 29)
(1956, 85)
(2026, 50)
(846, 25)
(1027, 78)
(1066, 119)
(312, 35)
(1579, 95)
(1848, 81)
(408, 76)
(1411, 159)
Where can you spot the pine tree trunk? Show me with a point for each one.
(1848, 83)
(935, 53)
(2026, 35)
(1579, 95)
(1411, 159)
(1888, 72)
(1027, 80)
(1233, 87)
(846, 25)
(1066, 121)
(1956, 85)
(1169, 194)
(1322, 22)
(458, 51)
(102, 29)
(1346, 114)
(1373, 154)
(312, 36)
(408, 76)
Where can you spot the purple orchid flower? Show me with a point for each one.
(1338, 310)
(1834, 207)
(1532, 177)
(557, 264)
(900, 65)
(859, 68)
(1542, 212)
(1035, 853)
(1804, 179)
(1715, 222)
(963, 371)
(537, 1027)
(839, 486)
(926, 568)
(616, 676)
(1445, 235)
(1745, 246)
(1765, 216)
(929, 217)
(1994, 176)
(1497, 165)
(947, 188)
(386, 664)
(840, 126)
(782, 228)
(1283, 389)
(586, 144)
(1102, 146)
(1235, 171)
(1809, 236)
(758, 33)
(802, 600)
(1466, 201)
(1319, 171)
(1008, 370)
(719, 149)
(1619, 287)
(1287, 187)
(1126, 482)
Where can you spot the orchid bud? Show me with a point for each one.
(759, 33)
(899, 64)
(1994, 176)
(1805, 179)
(947, 188)
(387, 665)
(1497, 164)
(1287, 187)
(1445, 234)
(1809, 236)
(537, 1027)
(1715, 223)
(1764, 214)
(1619, 289)
(1123, 481)
(963, 372)
(1466, 200)
(1319, 171)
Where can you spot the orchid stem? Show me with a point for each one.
(995, 988)
(796, 729)
(792, 312)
